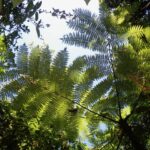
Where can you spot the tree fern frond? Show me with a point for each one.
(91, 74)
(85, 21)
(45, 60)
(35, 105)
(2, 54)
(61, 59)
(9, 75)
(57, 117)
(34, 61)
(87, 79)
(84, 15)
(136, 31)
(90, 32)
(25, 95)
(37, 96)
(77, 39)
(79, 91)
(22, 59)
(101, 61)
(98, 91)
(84, 40)
(78, 64)
(11, 89)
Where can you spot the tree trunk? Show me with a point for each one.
(136, 142)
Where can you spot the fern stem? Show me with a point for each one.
(84, 107)
(120, 140)
(115, 79)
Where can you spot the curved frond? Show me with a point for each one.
(97, 92)
(61, 59)
(90, 32)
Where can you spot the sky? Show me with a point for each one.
(59, 27)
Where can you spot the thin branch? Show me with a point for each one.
(84, 107)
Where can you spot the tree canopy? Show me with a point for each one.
(104, 98)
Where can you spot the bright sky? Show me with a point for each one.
(59, 27)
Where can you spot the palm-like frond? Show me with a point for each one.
(11, 88)
(98, 91)
(101, 61)
(8, 75)
(61, 59)
(45, 97)
(2, 54)
(22, 59)
(89, 33)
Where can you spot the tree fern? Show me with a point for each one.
(68, 100)
(125, 80)
(44, 97)
(91, 33)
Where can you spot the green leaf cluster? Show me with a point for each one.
(102, 98)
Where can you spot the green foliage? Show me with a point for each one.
(91, 33)
(17, 133)
(45, 60)
(50, 99)
(134, 12)
(16, 2)
(22, 57)
(34, 61)
(127, 58)
(56, 103)
(13, 20)
(14, 130)
(2, 54)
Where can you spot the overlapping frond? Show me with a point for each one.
(8, 75)
(101, 61)
(22, 59)
(50, 99)
(98, 92)
(90, 33)
(2, 54)
(45, 60)
(61, 59)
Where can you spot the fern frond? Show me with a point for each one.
(97, 92)
(135, 31)
(90, 32)
(22, 59)
(9, 75)
(78, 64)
(101, 61)
(61, 59)
(10, 89)
(2, 54)
(45, 60)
